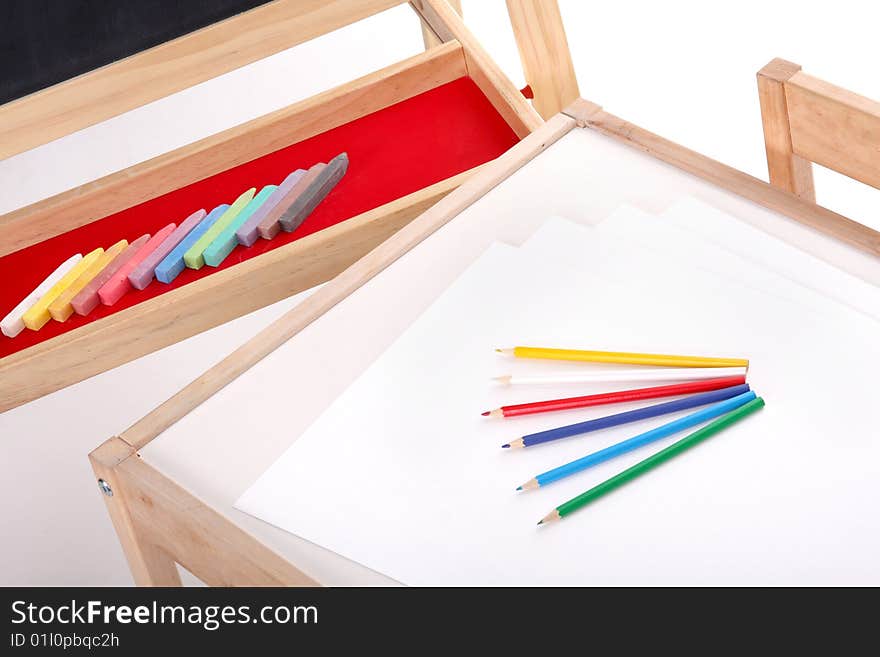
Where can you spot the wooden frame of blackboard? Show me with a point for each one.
(147, 326)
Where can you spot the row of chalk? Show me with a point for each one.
(80, 283)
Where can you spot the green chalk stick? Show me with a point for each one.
(226, 241)
(194, 257)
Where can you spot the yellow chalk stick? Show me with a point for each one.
(61, 309)
(38, 314)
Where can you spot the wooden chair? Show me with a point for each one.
(808, 120)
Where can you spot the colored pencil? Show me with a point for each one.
(618, 397)
(629, 416)
(652, 462)
(623, 357)
(12, 324)
(641, 374)
(635, 442)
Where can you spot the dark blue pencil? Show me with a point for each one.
(628, 416)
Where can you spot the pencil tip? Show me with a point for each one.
(505, 446)
(485, 413)
(500, 351)
(519, 487)
(540, 522)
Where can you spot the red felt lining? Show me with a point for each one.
(393, 152)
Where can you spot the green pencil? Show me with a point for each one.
(652, 462)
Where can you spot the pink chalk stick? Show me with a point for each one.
(87, 299)
(118, 285)
(142, 275)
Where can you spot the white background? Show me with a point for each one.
(683, 69)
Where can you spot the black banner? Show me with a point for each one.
(132, 621)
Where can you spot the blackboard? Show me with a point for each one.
(43, 42)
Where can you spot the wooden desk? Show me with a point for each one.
(174, 500)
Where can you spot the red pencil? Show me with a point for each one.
(616, 397)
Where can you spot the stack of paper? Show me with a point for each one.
(403, 475)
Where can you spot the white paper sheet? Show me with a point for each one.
(776, 255)
(402, 475)
(661, 245)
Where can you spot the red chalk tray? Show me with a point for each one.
(393, 152)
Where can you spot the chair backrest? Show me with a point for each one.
(809, 120)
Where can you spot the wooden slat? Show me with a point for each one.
(344, 284)
(149, 565)
(230, 148)
(428, 35)
(810, 214)
(252, 284)
(834, 127)
(543, 50)
(500, 91)
(787, 170)
(179, 64)
(168, 519)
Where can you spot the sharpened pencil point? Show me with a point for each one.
(519, 487)
(485, 413)
(507, 446)
(553, 516)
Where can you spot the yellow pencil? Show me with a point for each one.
(38, 314)
(623, 357)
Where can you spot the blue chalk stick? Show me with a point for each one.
(173, 264)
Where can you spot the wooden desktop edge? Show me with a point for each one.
(157, 519)
(590, 115)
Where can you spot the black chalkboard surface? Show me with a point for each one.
(43, 42)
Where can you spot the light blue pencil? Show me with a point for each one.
(641, 440)
(173, 264)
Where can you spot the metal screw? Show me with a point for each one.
(105, 488)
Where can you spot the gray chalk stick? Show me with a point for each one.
(316, 191)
